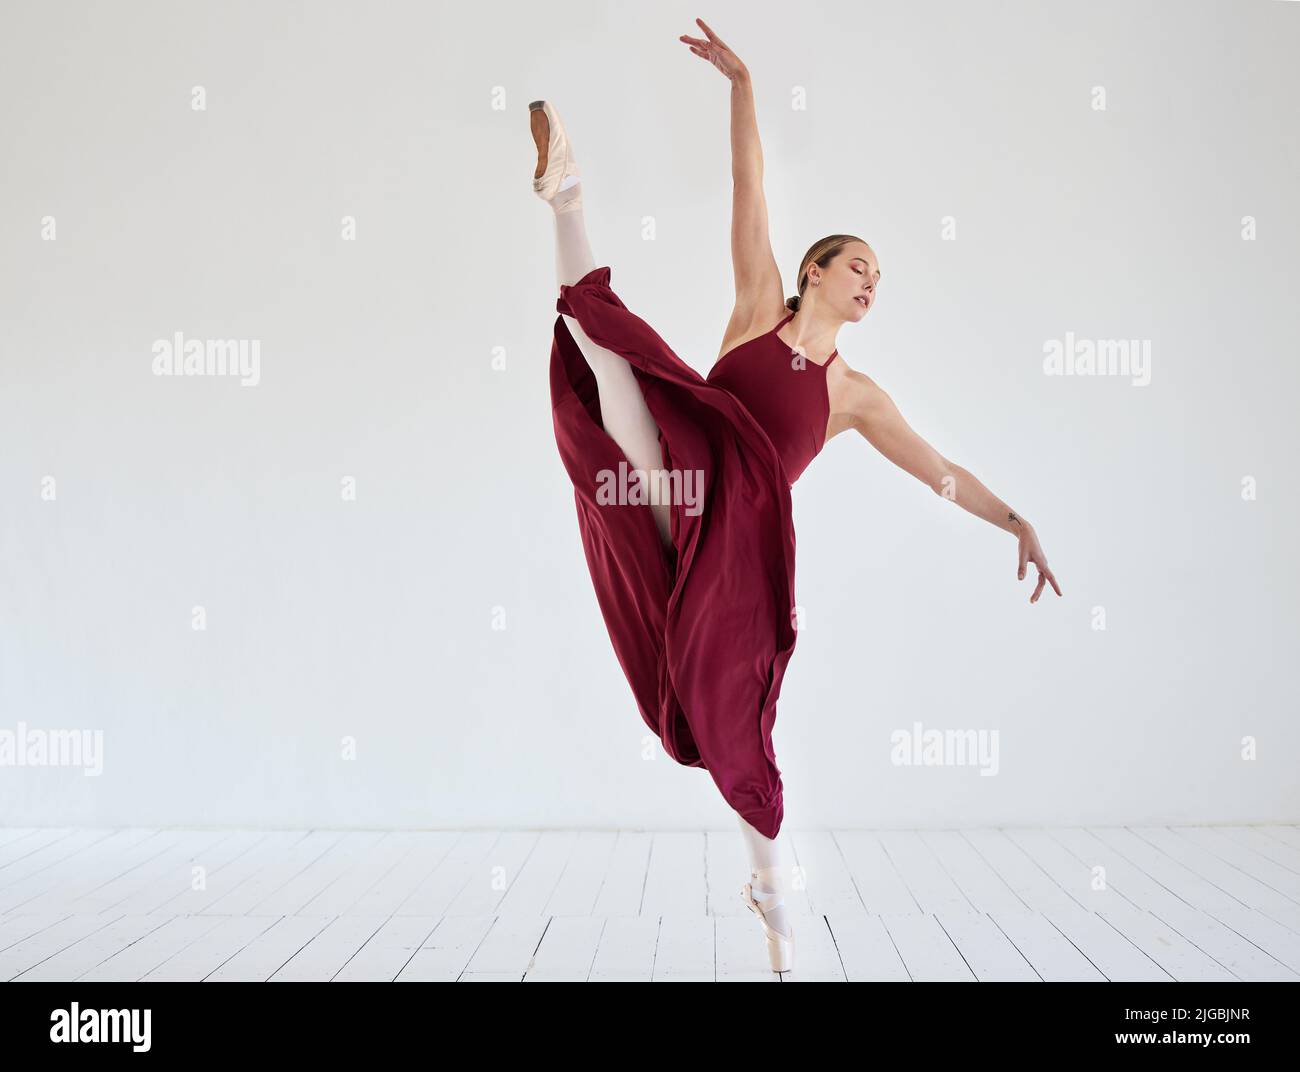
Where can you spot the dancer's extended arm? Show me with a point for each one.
(758, 279)
(873, 413)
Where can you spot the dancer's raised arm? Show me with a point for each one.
(759, 296)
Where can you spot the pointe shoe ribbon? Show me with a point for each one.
(780, 947)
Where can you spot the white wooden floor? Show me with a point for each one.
(1142, 903)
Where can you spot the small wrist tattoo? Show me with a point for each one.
(1012, 517)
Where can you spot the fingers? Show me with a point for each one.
(1052, 579)
(711, 35)
(1043, 572)
(1044, 575)
(701, 48)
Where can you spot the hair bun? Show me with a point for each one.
(792, 303)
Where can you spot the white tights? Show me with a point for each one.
(768, 874)
(623, 408)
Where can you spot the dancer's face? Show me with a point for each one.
(848, 283)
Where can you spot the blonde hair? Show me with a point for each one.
(821, 253)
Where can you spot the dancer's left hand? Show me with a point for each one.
(1032, 551)
(717, 53)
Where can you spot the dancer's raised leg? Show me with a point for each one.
(623, 409)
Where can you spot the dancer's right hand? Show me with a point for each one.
(717, 53)
(1032, 551)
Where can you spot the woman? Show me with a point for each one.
(693, 559)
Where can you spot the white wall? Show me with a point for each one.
(372, 619)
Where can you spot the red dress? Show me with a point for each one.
(704, 630)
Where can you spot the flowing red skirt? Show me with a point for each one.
(703, 631)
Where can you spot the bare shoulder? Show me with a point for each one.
(854, 396)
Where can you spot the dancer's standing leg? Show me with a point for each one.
(767, 871)
(623, 408)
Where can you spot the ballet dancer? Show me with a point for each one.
(699, 603)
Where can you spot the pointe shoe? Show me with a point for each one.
(780, 947)
(555, 161)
